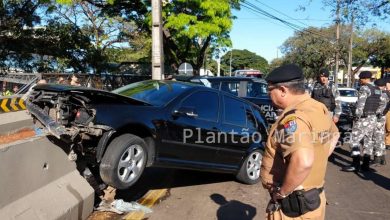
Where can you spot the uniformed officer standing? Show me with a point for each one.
(297, 149)
(379, 131)
(326, 93)
(370, 105)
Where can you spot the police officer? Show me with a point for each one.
(369, 107)
(298, 145)
(379, 131)
(387, 126)
(326, 93)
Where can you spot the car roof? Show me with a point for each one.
(230, 79)
(345, 88)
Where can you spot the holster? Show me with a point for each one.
(300, 202)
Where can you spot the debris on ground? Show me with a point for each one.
(17, 135)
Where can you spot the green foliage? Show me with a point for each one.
(192, 27)
(311, 51)
(243, 59)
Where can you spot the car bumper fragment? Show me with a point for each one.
(52, 126)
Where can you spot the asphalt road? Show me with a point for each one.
(200, 195)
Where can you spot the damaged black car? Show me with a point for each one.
(159, 123)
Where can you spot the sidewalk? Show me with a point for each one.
(13, 121)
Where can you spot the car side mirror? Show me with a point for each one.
(186, 111)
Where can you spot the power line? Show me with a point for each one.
(258, 10)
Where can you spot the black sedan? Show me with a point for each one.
(160, 123)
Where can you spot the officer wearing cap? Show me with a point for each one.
(369, 107)
(297, 148)
(326, 93)
(379, 131)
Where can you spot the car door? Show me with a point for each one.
(239, 125)
(190, 129)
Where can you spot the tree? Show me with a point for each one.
(372, 46)
(114, 38)
(243, 59)
(191, 27)
(312, 49)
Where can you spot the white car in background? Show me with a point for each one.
(347, 95)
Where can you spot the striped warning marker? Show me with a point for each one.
(12, 104)
(148, 200)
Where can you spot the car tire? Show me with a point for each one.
(124, 161)
(250, 169)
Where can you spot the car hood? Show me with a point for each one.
(93, 94)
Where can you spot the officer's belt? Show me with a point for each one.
(367, 114)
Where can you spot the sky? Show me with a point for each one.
(263, 35)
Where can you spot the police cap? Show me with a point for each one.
(380, 82)
(365, 75)
(285, 73)
(324, 72)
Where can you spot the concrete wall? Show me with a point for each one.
(37, 181)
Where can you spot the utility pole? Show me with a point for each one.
(337, 43)
(219, 66)
(350, 55)
(157, 49)
(230, 72)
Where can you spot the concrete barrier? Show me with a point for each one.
(13, 121)
(37, 181)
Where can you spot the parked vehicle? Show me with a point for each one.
(348, 98)
(153, 123)
(248, 73)
(251, 89)
(348, 95)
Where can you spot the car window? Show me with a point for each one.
(230, 87)
(205, 110)
(348, 93)
(256, 89)
(250, 118)
(157, 93)
(235, 112)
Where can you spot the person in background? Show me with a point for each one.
(387, 125)
(369, 107)
(379, 132)
(15, 89)
(6, 92)
(75, 81)
(62, 80)
(326, 93)
(297, 149)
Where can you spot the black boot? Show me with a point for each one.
(376, 161)
(366, 163)
(383, 160)
(387, 147)
(355, 166)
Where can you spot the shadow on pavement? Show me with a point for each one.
(338, 157)
(232, 209)
(166, 178)
(378, 179)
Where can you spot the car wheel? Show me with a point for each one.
(250, 170)
(124, 161)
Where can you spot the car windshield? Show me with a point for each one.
(348, 93)
(157, 93)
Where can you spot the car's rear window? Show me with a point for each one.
(156, 93)
(348, 93)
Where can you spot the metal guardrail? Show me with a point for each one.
(12, 103)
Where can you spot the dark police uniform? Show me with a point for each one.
(327, 94)
(370, 105)
(304, 125)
